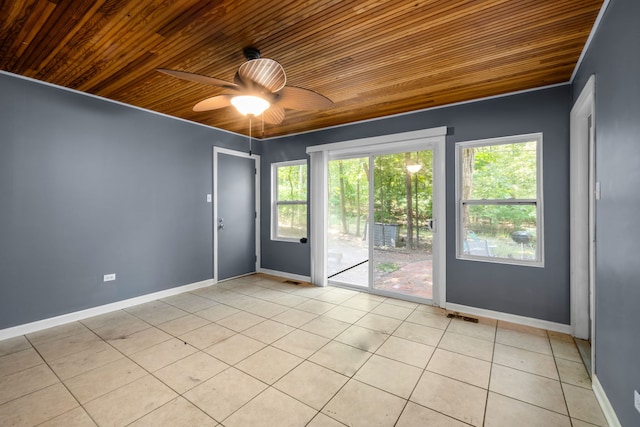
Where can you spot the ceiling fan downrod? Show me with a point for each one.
(251, 52)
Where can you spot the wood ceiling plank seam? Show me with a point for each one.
(452, 54)
(569, 28)
(191, 96)
(17, 15)
(129, 45)
(311, 47)
(472, 77)
(119, 71)
(246, 22)
(136, 63)
(417, 102)
(66, 43)
(481, 60)
(282, 16)
(579, 19)
(111, 19)
(94, 58)
(35, 22)
(181, 18)
(204, 37)
(142, 79)
(444, 34)
(348, 26)
(416, 25)
(394, 47)
(14, 15)
(52, 33)
(77, 49)
(339, 38)
(197, 52)
(358, 118)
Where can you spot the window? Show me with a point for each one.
(289, 200)
(499, 194)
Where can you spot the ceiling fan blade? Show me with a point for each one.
(265, 72)
(298, 98)
(213, 103)
(273, 115)
(198, 78)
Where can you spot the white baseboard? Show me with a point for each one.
(605, 405)
(285, 275)
(39, 325)
(513, 318)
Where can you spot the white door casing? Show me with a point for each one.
(582, 213)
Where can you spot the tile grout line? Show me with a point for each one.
(80, 405)
(493, 355)
(304, 359)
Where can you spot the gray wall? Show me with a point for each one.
(613, 58)
(288, 257)
(541, 293)
(89, 187)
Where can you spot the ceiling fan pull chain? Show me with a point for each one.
(250, 135)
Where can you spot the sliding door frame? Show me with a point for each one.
(428, 139)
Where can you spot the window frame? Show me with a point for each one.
(275, 203)
(538, 201)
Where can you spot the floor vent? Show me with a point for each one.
(291, 282)
(465, 318)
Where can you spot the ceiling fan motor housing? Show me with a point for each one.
(251, 52)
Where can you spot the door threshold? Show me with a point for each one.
(584, 348)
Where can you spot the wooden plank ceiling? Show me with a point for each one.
(373, 58)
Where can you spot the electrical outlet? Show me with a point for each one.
(109, 277)
(636, 400)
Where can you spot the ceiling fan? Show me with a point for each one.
(258, 88)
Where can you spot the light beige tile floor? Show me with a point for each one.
(256, 351)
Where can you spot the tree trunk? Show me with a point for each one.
(358, 207)
(343, 209)
(407, 180)
(293, 214)
(365, 167)
(468, 159)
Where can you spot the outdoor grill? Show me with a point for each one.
(521, 236)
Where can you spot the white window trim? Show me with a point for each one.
(539, 262)
(274, 199)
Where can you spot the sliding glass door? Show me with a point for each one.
(348, 213)
(380, 211)
(402, 211)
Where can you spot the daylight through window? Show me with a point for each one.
(499, 188)
(289, 200)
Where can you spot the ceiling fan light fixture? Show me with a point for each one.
(250, 105)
